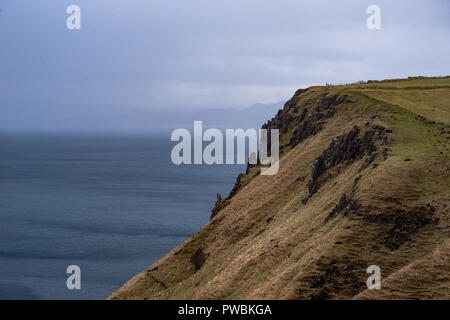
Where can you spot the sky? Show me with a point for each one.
(133, 60)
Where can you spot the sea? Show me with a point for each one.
(112, 205)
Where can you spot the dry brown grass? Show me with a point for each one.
(266, 244)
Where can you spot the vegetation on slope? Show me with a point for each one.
(363, 180)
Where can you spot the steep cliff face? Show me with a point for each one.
(363, 180)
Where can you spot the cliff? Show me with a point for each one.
(363, 180)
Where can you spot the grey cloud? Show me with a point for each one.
(139, 55)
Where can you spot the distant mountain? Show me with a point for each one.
(116, 119)
(225, 118)
(252, 117)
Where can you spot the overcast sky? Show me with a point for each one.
(134, 57)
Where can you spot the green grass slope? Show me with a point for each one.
(363, 180)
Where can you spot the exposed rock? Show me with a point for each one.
(374, 116)
(307, 129)
(281, 121)
(344, 150)
(198, 259)
(284, 118)
(327, 277)
(346, 203)
(251, 165)
(385, 153)
(420, 118)
(306, 124)
(343, 202)
(405, 223)
(219, 205)
(368, 161)
(236, 186)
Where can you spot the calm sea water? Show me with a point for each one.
(111, 205)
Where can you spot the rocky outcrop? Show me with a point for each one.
(311, 120)
(403, 223)
(330, 277)
(345, 150)
(346, 203)
(305, 120)
(222, 203)
(198, 259)
(219, 205)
